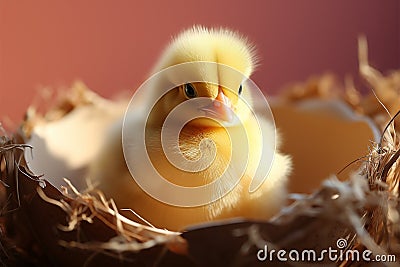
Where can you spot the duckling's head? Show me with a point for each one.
(223, 83)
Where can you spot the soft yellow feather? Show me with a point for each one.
(109, 169)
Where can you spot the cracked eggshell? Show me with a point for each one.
(322, 137)
(63, 148)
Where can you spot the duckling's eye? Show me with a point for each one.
(190, 92)
(240, 89)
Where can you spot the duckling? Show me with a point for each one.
(220, 124)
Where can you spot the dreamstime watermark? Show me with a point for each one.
(140, 135)
(340, 253)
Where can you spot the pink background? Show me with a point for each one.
(111, 45)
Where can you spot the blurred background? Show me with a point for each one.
(112, 45)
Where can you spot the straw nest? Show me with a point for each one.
(42, 226)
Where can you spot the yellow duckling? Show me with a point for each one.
(225, 116)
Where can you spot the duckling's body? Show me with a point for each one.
(110, 170)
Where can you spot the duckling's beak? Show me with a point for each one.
(220, 108)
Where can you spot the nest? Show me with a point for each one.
(44, 226)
